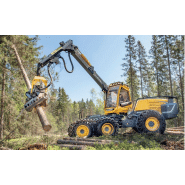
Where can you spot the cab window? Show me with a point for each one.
(124, 96)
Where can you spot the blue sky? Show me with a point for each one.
(105, 53)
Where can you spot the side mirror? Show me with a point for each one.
(125, 104)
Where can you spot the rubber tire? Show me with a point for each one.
(141, 128)
(134, 128)
(86, 124)
(107, 120)
(71, 130)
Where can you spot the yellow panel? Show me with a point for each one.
(153, 104)
(37, 79)
(56, 50)
(83, 56)
(117, 110)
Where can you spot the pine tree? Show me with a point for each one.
(177, 53)
(15, 86)
(159, 66)
(149, 83)
(167, 42)
(135, 84)
(143, 66)
(129, 66)
(2, 100)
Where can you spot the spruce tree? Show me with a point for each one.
(82, 109)
(75, 111)
(91, 107)
(62, 103)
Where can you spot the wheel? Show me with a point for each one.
(71, 130)
(83, 130)
(107, 126)
(150, 122)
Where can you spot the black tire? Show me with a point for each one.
(83, 129)
(71, 130)
(134, 128)
(107, 123)
(150, 121)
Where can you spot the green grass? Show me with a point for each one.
(133, 141)
(53, 147)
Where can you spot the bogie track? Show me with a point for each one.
(89, 127)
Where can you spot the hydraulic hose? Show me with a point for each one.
(38, 70)
(70, 62)
(49, 76)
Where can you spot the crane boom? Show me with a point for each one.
(37, 95)
(75, 52)
(89, 68)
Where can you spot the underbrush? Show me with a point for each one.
(136, 141)
(23, 142)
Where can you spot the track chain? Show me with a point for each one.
(93, 123)
(72, 127)
(107, 119)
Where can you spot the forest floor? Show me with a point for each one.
(127, 140)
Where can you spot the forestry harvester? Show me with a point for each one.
(146, 115)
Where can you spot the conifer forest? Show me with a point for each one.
(158, 71)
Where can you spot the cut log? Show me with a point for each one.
(42, 116)
(181, 127)
(72, 147)
(43, 119)
(90, 140)
(73, 142)
(175, 132)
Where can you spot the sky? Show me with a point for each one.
(104, 52)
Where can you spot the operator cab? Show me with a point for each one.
(112, 96)
(117, 98)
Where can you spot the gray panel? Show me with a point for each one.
(169, 110)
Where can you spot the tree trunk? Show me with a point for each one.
(167, 50)
(42, 116)
(132, 95)
(2, 103)
(141, 78)
(158, 92)
(156, 66)
(181, 85)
